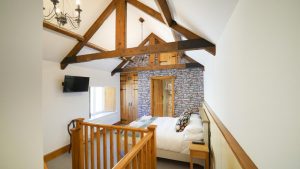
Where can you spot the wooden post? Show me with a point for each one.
(152, 129)
(152, 56)
(77, 145)
(75, 148)
(121, 20)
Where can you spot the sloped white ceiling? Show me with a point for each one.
(207, 18)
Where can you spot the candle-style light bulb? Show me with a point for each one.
(57, 10)
(76, 14)
(77, 2)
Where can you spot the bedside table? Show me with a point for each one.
(201, 152)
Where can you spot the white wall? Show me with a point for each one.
(253, 81)
(60, 108)
(20, 86)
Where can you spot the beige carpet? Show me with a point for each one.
(65, 162)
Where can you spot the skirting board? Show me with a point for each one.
(61, 151)
(56, 153)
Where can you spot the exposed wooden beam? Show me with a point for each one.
(71, 34)
(121, 17)
(193, 44)
(190, 35)
(175, 26)
(124, 62)
(96, 47)
(91, 31)
(160, 40)
(166, 14)
(146, 9)
(161, 67)
(182, 54)
(165, 11)
(63, 31)
(152, 55)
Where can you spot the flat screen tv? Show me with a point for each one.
(75, 84)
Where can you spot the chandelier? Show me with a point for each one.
(62, 17)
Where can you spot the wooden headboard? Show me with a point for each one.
(205, 123)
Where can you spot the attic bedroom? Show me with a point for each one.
(98, 84)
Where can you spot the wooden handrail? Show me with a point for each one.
(240, 154)
(45, 165)
(86, 137)
(115, 127)
(135, 150)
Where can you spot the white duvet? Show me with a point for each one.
(166, 136)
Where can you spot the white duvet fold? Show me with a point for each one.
(167, 137)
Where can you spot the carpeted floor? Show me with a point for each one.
(65, 162)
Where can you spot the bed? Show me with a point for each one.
(171, 144)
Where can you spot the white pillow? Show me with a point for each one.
(146, 117)
(194, 126)
(193, 137)
(193, 129)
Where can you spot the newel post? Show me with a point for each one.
(77, 145)
(152, 129)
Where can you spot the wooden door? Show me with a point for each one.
(158, 92)
(135, 97)
(157, 98)
(129, 96)
(123, 102)
(170, 58)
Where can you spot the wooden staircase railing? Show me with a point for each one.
(97, 146)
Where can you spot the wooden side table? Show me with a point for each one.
(201, 152)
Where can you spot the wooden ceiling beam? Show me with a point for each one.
(193, 44)
(63, 31)
(146, 9)
(165, 11)
(161, 67)
(121, 20)
(152, 41)
(166, 14)
(124, 62)
(190, 35)
(71, 34)
(160, 40)
(96, 47)
(175, 26)
(91, 31)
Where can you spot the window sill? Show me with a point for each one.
(103, 114)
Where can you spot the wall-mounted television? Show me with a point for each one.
(75, 84)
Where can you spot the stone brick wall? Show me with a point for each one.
(139, 61)
(188, 89)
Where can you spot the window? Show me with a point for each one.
(102, 99)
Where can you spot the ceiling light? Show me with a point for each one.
(62, 17)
